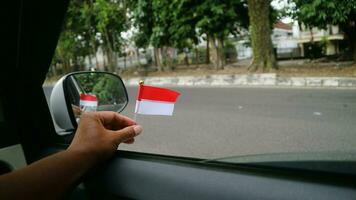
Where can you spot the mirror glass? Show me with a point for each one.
(95, 91)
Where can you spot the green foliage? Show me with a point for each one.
(87, 81)
(321, 13)
(184, 18)
(179, 23)
(72, 43)
(109, 90)
(162, 20)
(94, 24)
(221, 18)
(88, 26)
(230, 51)
(142, 15)
(111, 21)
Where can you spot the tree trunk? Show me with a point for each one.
(76, 65)
(115, 59)
(97, 61)
(109, 53)
(158, 56)
(168, 54)
(54, 70)
(81, 63)
(353, 41)
(216, 55)
(90, 61)
(130, 59)
(155, 56)
(125, 57)
(212, 52)
(105, 67)
(66, 66)
(138, 58)
(196, 56)
(207, 51)
(350, 32)
(354, 50)
(221, 54)
(262, 47)
(95, 55)
(311, 35)
(186, 59)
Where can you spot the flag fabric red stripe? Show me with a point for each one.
(157, 94)
(88, 97)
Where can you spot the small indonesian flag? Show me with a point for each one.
(88, 102)
(155, 101)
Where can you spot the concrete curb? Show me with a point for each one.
(268, 79)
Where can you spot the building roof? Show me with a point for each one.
(281, 25)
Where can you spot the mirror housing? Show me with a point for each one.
(80, 92)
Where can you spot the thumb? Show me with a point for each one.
(127, 133)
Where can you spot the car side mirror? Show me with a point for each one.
(80, 92)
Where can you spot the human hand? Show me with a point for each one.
(100, 133)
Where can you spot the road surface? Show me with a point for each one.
(219, 122)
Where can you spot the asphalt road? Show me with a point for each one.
(219, 122)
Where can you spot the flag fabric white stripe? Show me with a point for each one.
(147, 107)
(88, 103)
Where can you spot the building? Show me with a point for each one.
(330, 37)
(292, 40)
(284, 42)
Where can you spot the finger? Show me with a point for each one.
(126, 133)
(130, 141)
(113, 120)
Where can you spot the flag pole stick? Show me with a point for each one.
(138, 105)
(135, 117)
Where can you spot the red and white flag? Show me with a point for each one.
(155, 101)
(88, 102)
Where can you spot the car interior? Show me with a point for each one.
(32, 29)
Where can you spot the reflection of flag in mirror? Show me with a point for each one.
(155, 101)
(88, 102)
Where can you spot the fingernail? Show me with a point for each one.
(137, 129)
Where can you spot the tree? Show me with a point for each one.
(260, 32)
(179, 23)
(217, 20)
(111, 21)
(90, 30)
(90, 25)
(152, 18)
(72, 47)
(143, 21)
(161, 34)
(321, 13)
(183, 29)
(142, 17)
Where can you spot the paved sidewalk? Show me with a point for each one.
(268, 79)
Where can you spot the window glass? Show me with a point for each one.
(255, 78)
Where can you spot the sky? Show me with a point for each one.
(279, 4)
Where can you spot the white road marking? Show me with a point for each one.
(317, 113)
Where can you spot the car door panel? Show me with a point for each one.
(135, 176)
